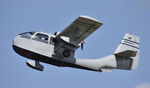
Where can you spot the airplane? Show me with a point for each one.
(59, 49)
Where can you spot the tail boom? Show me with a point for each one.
(125, 57)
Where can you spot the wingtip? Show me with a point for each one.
(87, 17)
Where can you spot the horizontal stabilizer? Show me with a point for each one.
(127, 53)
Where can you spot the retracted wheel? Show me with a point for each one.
(66, 53)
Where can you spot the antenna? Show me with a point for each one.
(40, 29)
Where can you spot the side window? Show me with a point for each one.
(41, 37)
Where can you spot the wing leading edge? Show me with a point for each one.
(80, 29)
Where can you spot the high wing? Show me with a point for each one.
(80, 29)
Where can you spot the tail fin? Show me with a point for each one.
(128, 52)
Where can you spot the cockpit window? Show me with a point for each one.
(27, 34)
(41, 36)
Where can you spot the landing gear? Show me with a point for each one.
(66, 53)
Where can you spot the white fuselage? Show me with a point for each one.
(45, 48)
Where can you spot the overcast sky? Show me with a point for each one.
(118, 17)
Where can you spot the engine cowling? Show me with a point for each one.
(35, 65)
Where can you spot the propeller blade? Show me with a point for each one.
(81, 46)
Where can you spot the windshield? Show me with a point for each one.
(27, 33)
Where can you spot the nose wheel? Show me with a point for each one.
(66, 53)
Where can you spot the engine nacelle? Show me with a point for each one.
(35, 65)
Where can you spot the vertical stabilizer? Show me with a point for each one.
(127, 52)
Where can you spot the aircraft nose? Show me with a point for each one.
(15, 41)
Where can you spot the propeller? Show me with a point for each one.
(82, 45)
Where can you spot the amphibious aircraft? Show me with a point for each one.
(59, 49)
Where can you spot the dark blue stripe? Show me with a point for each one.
(130, 45)
(131, 41)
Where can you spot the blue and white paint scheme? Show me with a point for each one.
(59, 49)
